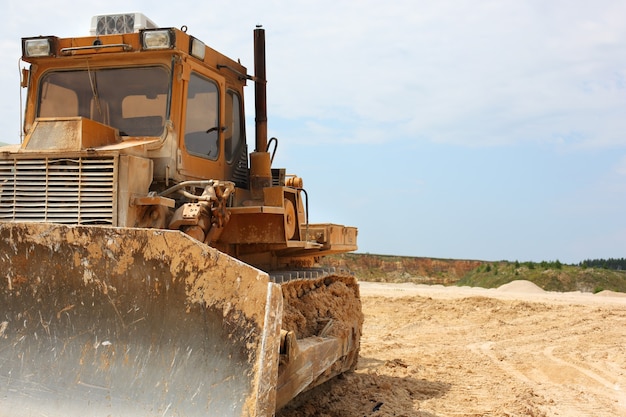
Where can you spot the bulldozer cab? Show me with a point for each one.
(158, 84)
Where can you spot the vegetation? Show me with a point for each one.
(386, 268)
(611, 263)
(588, 276)
(551, 276)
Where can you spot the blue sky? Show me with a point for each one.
(453, 129)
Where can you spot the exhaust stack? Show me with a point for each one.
(260, 161)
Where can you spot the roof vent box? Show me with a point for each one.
(120, 23)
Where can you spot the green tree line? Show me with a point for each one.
(617, 264)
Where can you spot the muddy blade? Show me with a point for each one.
(105, 321)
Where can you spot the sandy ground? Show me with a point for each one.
(515, 351)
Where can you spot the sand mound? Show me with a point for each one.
(520, 286)
(607, 293)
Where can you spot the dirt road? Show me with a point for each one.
(516, 351)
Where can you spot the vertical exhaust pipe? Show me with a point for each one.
(260, 161)
(260, 90)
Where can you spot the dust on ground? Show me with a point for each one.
(447, 351)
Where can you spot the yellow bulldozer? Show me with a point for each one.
(150, 264)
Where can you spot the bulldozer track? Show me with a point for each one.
(324, 307)
(281, 277)
(312, 302)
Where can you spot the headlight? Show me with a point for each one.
(197, 48)
(157, 39)
(38, 47)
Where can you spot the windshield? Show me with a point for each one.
(132, 100)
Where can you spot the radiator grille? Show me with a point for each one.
(58, 190)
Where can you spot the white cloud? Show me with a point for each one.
(484, 75)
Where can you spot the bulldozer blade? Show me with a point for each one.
(105, 321)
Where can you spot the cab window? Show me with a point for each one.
(234, 126)
(132, 100)
(202, 118)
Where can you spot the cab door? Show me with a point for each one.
(202, 133)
